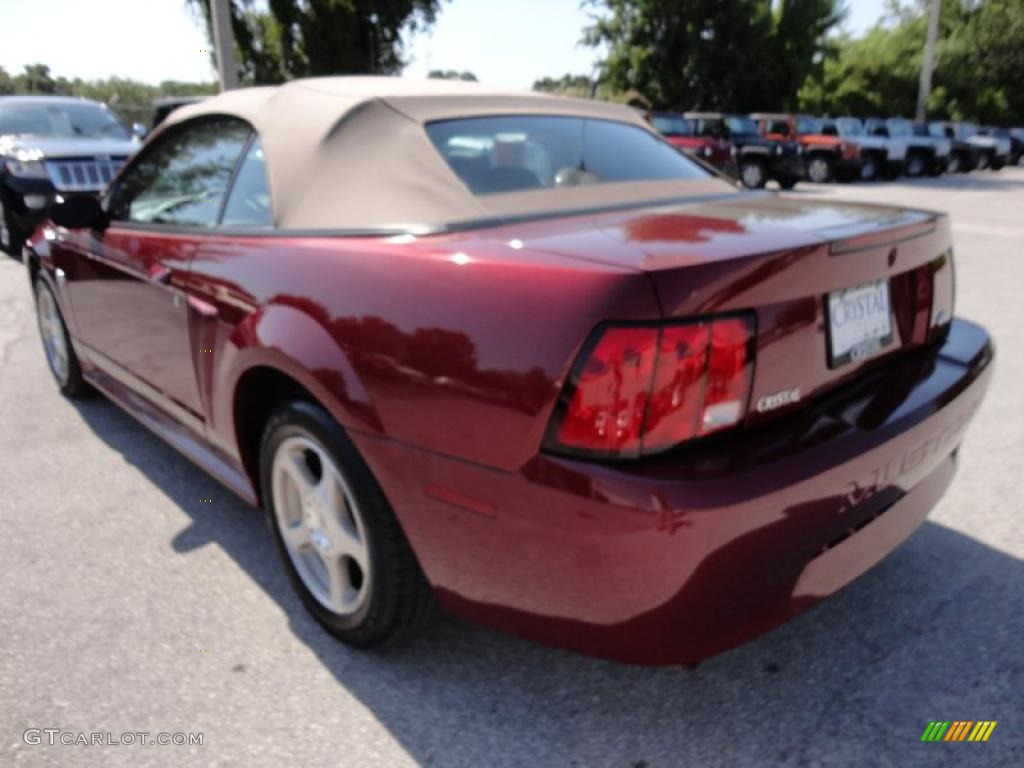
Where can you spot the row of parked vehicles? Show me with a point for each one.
(789, 148)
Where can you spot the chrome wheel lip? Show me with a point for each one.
(51, 329)
(321, 526)
(751, 175)
(821, 175)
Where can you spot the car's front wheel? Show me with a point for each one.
(60, 355)
(752, 173)
(917, 163)
(344, 550)
(820, 168)
(956, 163)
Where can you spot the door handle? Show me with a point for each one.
(159, 274)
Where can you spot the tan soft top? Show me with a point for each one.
(350, 153)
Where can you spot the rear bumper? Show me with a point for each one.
(676, 558)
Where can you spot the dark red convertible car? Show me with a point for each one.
(518, 354)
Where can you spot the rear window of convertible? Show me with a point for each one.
(517, 153)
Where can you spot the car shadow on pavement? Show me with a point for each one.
(934, 632)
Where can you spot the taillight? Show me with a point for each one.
(639, 389)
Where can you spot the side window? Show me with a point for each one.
(829, 129)
(182, 179)
(249, 199)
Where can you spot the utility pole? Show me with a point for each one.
(224, 44)
(928, 60)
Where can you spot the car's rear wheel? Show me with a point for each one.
(820, 169)
(60, 355)
(983, 161)
(344, 550)
(956, 163)
(752, 173)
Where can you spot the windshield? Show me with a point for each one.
(850, 126)
(741, 126)
(65, 120)
(900, 127)
(671, 125)
(966, 130)
(515, 153)
(808, 125)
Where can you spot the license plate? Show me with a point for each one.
(859, 322)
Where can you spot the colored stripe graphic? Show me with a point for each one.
(958, 730)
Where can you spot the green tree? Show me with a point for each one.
(281, 39)
(978, 60)
(713, 54)
(566, 85)
(36, 79)
(6, 82)
(451, 74)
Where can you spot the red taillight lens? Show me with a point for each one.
(640, 390)
(609, 398)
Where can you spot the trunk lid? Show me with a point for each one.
(780, 258)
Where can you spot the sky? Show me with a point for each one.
(503, 42)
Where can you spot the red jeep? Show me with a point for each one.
(680, 132)
(827, 157)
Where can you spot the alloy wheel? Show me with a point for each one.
(752, 175)
(868, 169)
(321, 525)
(915, 165)
(51, 329)
(818, 170)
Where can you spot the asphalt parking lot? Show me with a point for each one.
(138, 595)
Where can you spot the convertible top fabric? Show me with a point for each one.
(351, 153)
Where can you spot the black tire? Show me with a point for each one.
(399, 596)
(997, 164)
(983, 161)
(69, 380)
(917, 164)
(821, 168)
(787, 182)
(956, 163)
(11, 236)
(753, 173)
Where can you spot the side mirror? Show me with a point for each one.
(139, 131)
(81, 212)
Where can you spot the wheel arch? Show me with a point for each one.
(281, 354)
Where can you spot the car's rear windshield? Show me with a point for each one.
(515, 153)
(66, 120)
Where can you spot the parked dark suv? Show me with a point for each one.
(53, 145)
(758, 159)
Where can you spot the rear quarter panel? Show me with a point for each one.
(454, 344)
